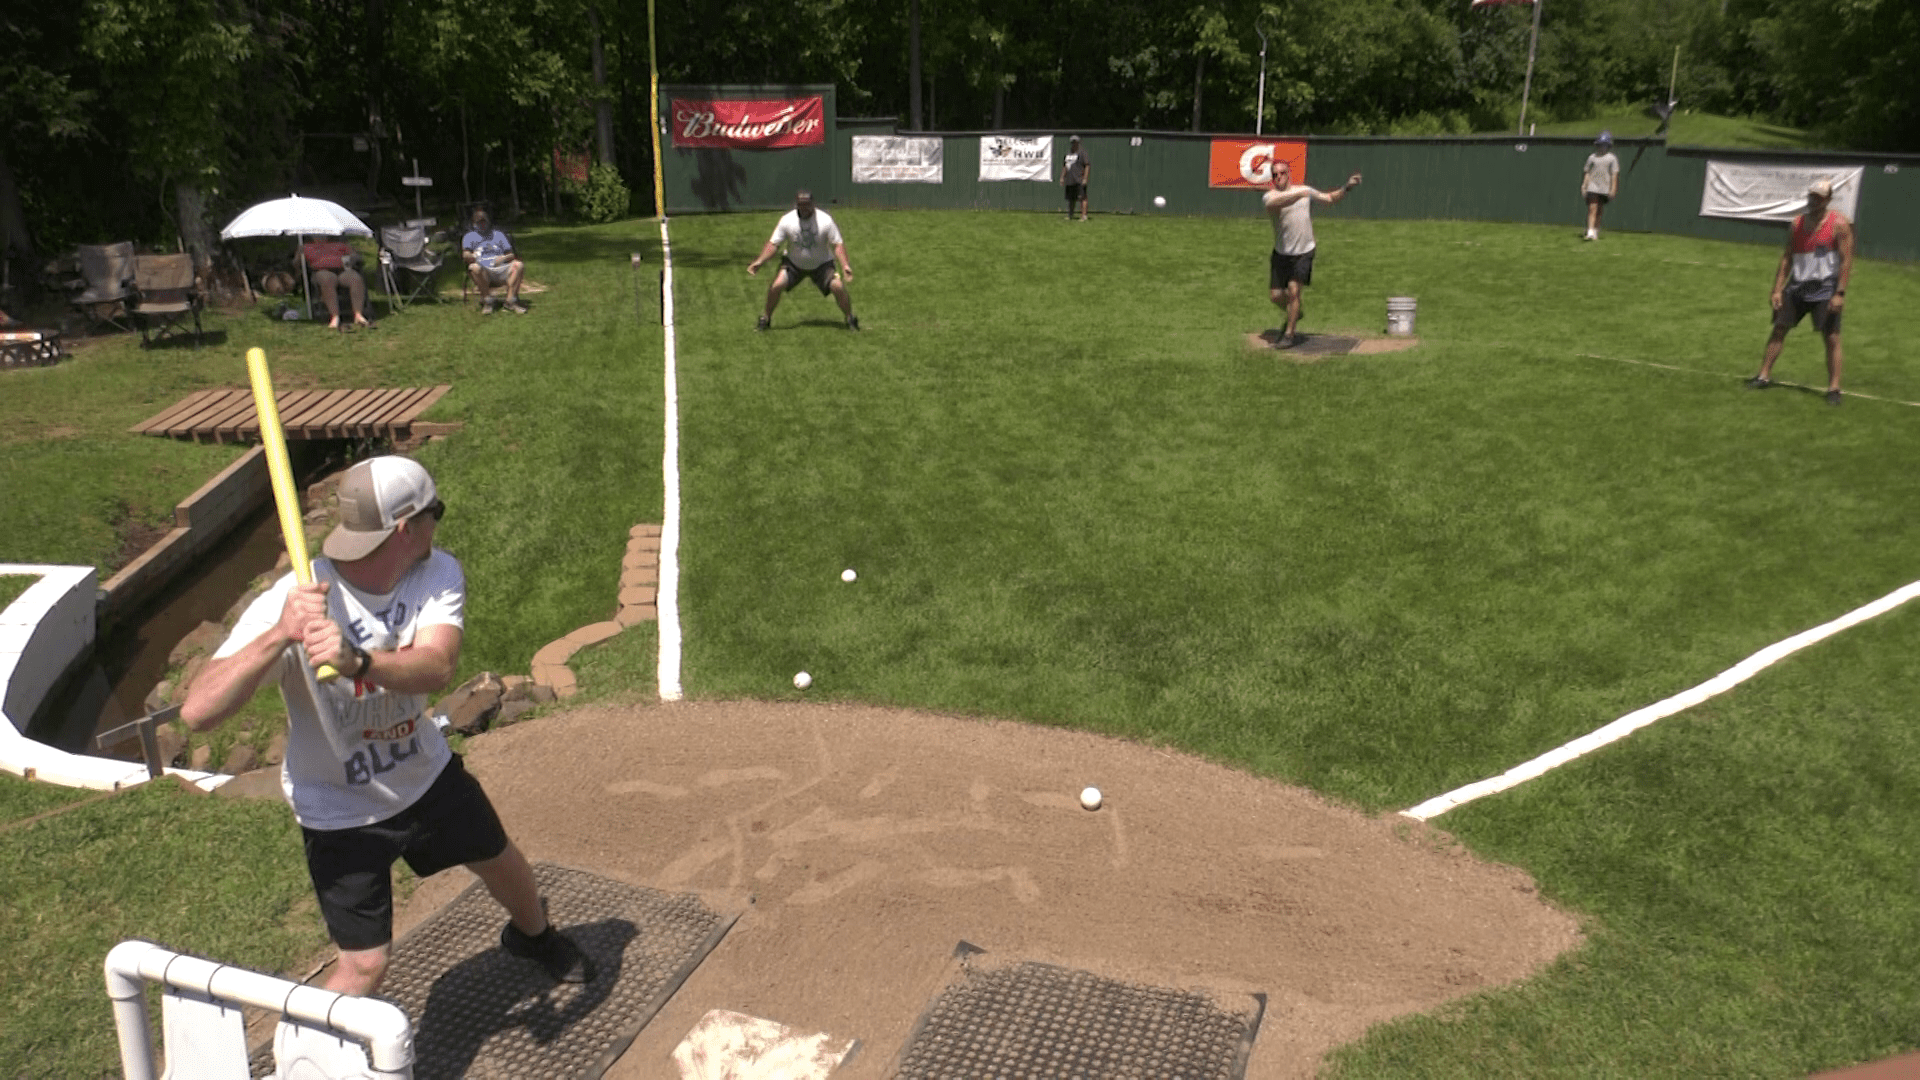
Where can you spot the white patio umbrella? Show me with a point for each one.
(296, 217)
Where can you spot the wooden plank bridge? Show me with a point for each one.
(227, 415)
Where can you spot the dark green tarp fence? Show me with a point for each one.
(1477, 178)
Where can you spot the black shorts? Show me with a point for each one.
(1793, 309)
(453, 824)
(822, 275)
(1284, 268)
(1597, 197)
(1075, 192)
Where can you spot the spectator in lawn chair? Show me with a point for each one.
(491, 262)
(334, 263)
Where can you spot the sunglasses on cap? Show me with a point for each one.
(437, 508)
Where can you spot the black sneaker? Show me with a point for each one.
(1833, 397)
(1758, 383)
(762, 323)
(853, 322)
(552, 950)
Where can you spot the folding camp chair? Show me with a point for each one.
(105, 282)
(166, 290)
(404, 250)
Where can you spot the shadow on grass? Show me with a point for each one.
(188, 340)
(589, 247)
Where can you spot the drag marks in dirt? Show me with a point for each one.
(810, 850)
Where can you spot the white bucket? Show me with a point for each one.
(1400, 315)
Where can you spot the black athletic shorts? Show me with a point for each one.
(1284, 268)
(1599, 197)
(1793, 309)
(1075, 192)
(453, 824)
(822, 275)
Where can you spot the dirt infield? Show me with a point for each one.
(861, 844)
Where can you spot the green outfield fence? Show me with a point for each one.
(1466, 178)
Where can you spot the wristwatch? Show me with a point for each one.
(364, 660)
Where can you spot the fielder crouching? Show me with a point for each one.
(368, 774)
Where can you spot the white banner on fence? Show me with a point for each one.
(1774, 192)
(896, 159)
(1003, 157)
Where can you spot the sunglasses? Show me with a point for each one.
(437, 508)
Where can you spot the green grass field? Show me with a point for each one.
(1076, 497)
(1688, 129)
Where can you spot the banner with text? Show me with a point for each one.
(1248, 163)
(896, 159)
(1003, 157)
(1774, 192)
(749, 125)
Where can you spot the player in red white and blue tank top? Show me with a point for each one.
(1812, 280)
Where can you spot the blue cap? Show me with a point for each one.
(1605, 139)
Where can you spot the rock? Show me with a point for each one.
(473, 706)
(193, 668)
(276, 749)
(513, 710)
(541, 695)
(240, 759)
(201, 639)
(257, 784)
(160, 697)
(202, 754)
(172, 745)
(515, 687)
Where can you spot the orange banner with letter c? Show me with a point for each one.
(1248, 163)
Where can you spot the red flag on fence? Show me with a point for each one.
(570, 165)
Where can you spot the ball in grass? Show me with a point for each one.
(802, 680)
(848, 575)
(1160, 202)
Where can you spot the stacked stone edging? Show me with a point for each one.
(639, 584)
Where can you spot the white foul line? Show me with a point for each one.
(1686, 699)
(667, 595)
(1724, 375)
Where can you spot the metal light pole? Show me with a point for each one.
(1532, 47)
(1262, 26)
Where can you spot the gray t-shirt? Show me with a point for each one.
(1076, 168)
(1601, 170)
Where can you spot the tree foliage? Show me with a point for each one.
(116, 110)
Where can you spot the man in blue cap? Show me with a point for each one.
(1599, 182)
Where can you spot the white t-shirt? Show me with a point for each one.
(1599, 173)
(809, 243)
(381, 752)
(1293, 225)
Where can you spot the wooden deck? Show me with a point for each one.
(227, 415)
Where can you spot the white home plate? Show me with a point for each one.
(734, 1046)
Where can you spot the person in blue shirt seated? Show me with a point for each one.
(491, 262)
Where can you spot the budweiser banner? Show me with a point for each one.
(1248, 163)
(1003, 157)
(749, 125)
(1774, 192)
(896, 159)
